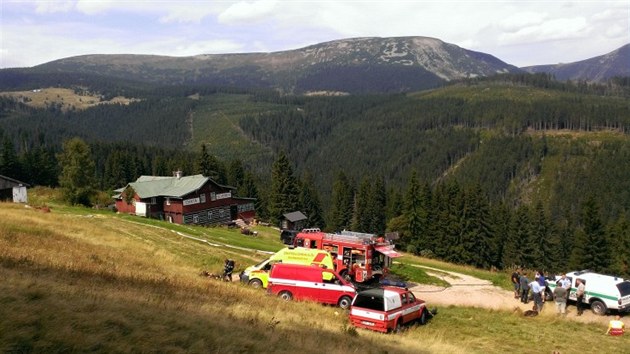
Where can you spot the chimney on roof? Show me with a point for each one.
(178, 174)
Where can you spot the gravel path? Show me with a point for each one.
(465, 290)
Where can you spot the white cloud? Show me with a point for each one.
(523, 32)
(516, 22)
(91, 7)
(207, 47)
(247, 12)
(186, 14)
(616, 31)
(563, 28)
(47, 6)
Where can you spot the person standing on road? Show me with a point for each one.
(536, 292)
(560, 296)
(580, 296)
(543, 285)
(524, 285)
(565, 282)
(516, 278)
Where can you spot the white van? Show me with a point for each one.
(602, 292)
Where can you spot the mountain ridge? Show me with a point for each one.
(355, 65)
(595, 69)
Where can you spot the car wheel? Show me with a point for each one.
(255, 283)
(398, 327)
(345, 302)
(598, 307)
(423, 317)
(286, 295)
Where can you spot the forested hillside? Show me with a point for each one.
(513, 170)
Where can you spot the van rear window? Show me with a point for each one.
(624, 288)
(369, 302)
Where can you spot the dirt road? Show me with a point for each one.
(466, 290)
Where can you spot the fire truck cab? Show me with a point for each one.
(358, 256)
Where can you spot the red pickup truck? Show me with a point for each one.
(387, 308)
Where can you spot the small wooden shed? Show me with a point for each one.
(12, 189)
(293, 221)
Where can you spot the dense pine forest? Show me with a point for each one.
(516, 170)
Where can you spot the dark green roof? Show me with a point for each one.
(154, 186)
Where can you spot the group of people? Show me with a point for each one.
(538, 287)
(523, 286)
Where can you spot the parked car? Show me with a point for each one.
(302, 282)
(602, 292)
(386, 309)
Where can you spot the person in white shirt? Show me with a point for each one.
(536, 291)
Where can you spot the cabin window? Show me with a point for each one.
(202, 197)
(195, 219)
(153, 200)
(168, 201)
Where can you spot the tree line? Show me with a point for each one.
(448, 220)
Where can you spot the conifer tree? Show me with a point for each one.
(476, 229)
(378, 207)
(501, 219)
(77, 171)
(209, 166)
(310, 203)
(546, 246)
(284, 197)
(447, 232)
(9, 162)
(361, 215)
(342, 204)
(395, 204)
(416, 216)
(620, 242)
(591, 250)
(517, 250)
(236, 176)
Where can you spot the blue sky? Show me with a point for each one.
(523, 32)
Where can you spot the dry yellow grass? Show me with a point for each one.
(65, 98)
(77, 283)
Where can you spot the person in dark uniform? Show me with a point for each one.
(524, 289)
(579, 293)
(516, 282)
(228, 268)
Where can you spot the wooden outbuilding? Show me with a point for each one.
(293, 221)
(12, 189)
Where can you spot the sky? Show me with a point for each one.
(519, 32)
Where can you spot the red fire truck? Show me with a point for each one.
(359, 256)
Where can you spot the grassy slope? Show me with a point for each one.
(77, 281)
(66, 98)
(216, 123)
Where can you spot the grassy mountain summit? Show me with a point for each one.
(350, 65)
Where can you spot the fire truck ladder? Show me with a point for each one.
(351, 237)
